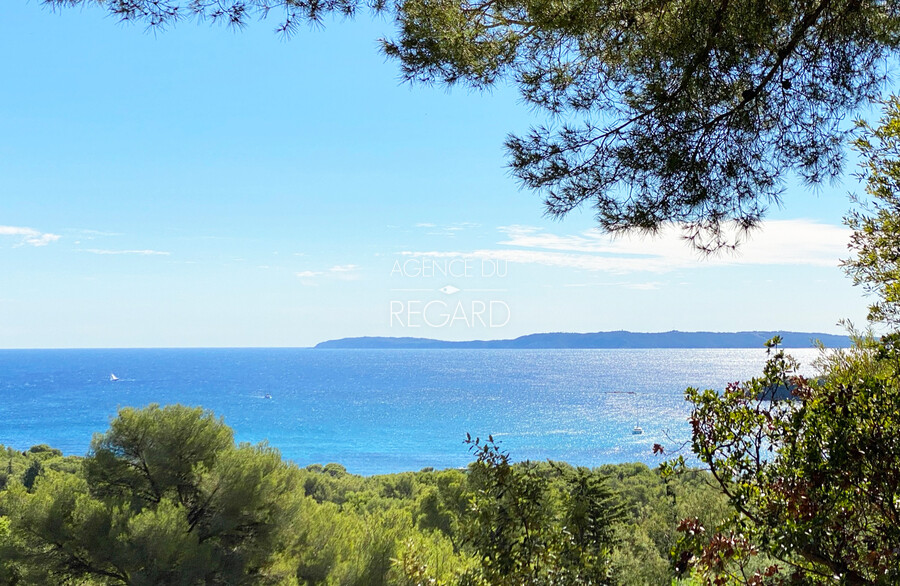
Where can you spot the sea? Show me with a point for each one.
(381, 411)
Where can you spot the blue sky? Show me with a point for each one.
(201, 187)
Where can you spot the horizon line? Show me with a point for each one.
(313, 346)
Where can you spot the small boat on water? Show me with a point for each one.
(638, 430)
(113, 378)
(268, 396)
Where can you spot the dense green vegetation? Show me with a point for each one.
(166, 497)
(814, 480)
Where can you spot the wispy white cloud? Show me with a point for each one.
(91, 234)
(651, 286)
(783, 242)
(446, 229)
(777, 242)
(29, 236)
(137, 252)
(580, 261)
(348, 272)
(458, 226)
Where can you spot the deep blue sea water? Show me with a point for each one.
(379, 411)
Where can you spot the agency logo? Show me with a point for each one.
(458, 292)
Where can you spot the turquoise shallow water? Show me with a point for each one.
(379, 411)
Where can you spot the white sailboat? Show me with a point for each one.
(113, 378)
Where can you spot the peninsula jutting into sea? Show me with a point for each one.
(616, 339)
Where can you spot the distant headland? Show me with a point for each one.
(618, 339)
